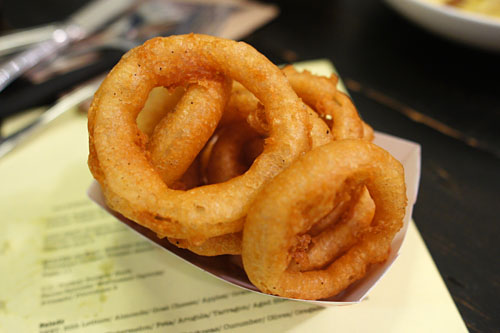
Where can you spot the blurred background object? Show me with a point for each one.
(85, 22)
(475, 23)
(489, 8)
(59, 67)
(99, 52)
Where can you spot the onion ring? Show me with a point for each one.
(240, 104)
(117, 158)
(215, 246)
(191, 178)
(343, 203)
(252, 149)
(277, 220)
(321, 94)
(337, 238)
(368, 133)
(160, 101)
(227, 159)
(180, 135)
(318, 92)
(319, 133)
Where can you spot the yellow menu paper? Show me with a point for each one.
(68, 266)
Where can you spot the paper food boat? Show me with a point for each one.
(229, 269)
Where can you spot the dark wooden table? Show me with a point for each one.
(440, 94)
(415, 85)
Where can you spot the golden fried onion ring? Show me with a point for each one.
(321, 94)
(227, 159)
(277, 219)
(160, 101)
(338, 237)
(117, 159)
(181, 134)
(191, 178)
(215, 246)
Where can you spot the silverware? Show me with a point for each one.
(22, 39)
(80, 25)
(63, 105)
(201, 19)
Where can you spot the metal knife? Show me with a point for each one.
(22, 39)
(80, 25)
(64, 104)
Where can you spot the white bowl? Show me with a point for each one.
(466, 27)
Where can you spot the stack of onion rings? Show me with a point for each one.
(222, 156)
